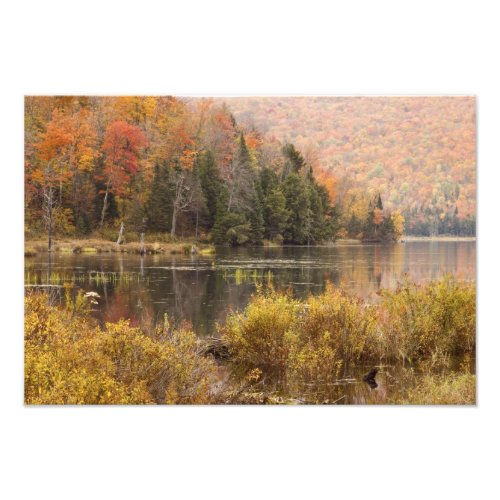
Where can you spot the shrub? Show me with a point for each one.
(260, 336)
(335, 329)
(419, 320)
(310, 340)
(69, 360)
(350, 322)
(307, 340)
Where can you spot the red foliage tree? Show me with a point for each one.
(122, 145)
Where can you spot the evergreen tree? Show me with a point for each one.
(275, 214)
(387, 228)
(294, 161)
(355, 226)
(256, 217)
(268, 181)
(369, 228)
(298, 229)
(241, 185)
(213, 188)
(231, 228)
(318, 229)
(159, 205)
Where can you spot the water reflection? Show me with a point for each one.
(202, 289)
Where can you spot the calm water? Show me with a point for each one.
(202, 289)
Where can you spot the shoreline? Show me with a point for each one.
(187, 246)
(439, 238)
(97, 245)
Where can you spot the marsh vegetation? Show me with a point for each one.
(280, 350)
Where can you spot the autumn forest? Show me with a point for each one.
(285, 250)
(242, 171)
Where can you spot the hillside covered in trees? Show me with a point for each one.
(219, 171)
(418, 153)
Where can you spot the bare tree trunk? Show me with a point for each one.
(48, 206)
(50, 236)
(182, 200)
(105, 204)
(142, 250)
(120, 234)
(174, 221)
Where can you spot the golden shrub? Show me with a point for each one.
(309, 339)
(312, 339)
(349, 322)
(336, 328)
(260, 336)
(69, 360)
(419, 320)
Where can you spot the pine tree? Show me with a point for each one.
(298, 229)
(231, 228)
(256, 217)
(387, 228)
(268, 181)
(275, 214)
(159, 206)
(241, 185)
(294, 161)
(213, 188)
(323, 227)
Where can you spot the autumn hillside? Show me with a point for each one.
(418, 152)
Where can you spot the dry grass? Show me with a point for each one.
(66, 245)
(30, 252)
(441, 389)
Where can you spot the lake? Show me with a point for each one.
(202, 289)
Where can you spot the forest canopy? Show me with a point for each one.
(192, 167)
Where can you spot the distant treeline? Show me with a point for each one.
(428, 222)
